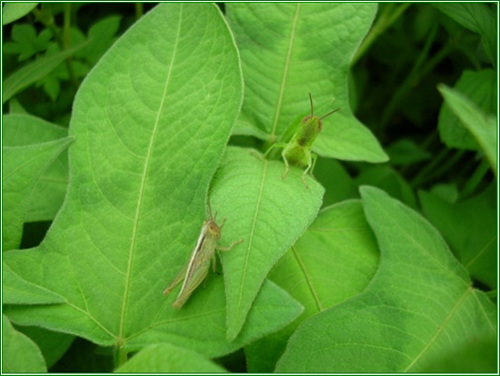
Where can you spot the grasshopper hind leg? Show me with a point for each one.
(178, 279)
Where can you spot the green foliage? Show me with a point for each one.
(22, 167)
(167, 358)
(297, 61)
(482, 126)
(386, 322)
(14, 11)
(19, 353)
(376, 265)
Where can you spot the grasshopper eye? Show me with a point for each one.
(214, 229)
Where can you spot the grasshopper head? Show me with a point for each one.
(213, 228)
(310, 127)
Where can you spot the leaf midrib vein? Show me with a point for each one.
(308, 279)
(143, 182)
(252, 232)
(285, 72)
(441, 328)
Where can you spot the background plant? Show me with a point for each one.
(359, 263)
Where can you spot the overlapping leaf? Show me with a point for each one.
(419, 306)
(47, 194)
(22, 167)
(268, 212)
(333, 261)
(19, 353)
(290, 50)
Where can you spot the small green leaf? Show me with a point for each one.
(22, 167)
(419, 306)
(479, 87)
(19, 353)
(101, 35)
(482, 126)
(48, 193)
(268, 212)
(165, 358)
(26, 42)
(278, 47)
(14, 11)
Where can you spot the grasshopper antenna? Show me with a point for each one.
(328, 114)
(312, 106)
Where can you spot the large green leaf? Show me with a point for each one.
(47, 195)
(289, 50)
(333, 261)
(19, 353)
(22, 167)
(482, 126)
(268, 212)
(419, 306)
(151, 122)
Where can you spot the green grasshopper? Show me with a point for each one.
(297, 151)
(194, 272)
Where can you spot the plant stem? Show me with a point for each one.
(139, 10)
(476, 178)
(120, 355)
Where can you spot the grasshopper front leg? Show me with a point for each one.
(287, 166)
(311, 162)
(225, 249)
(275, 145)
